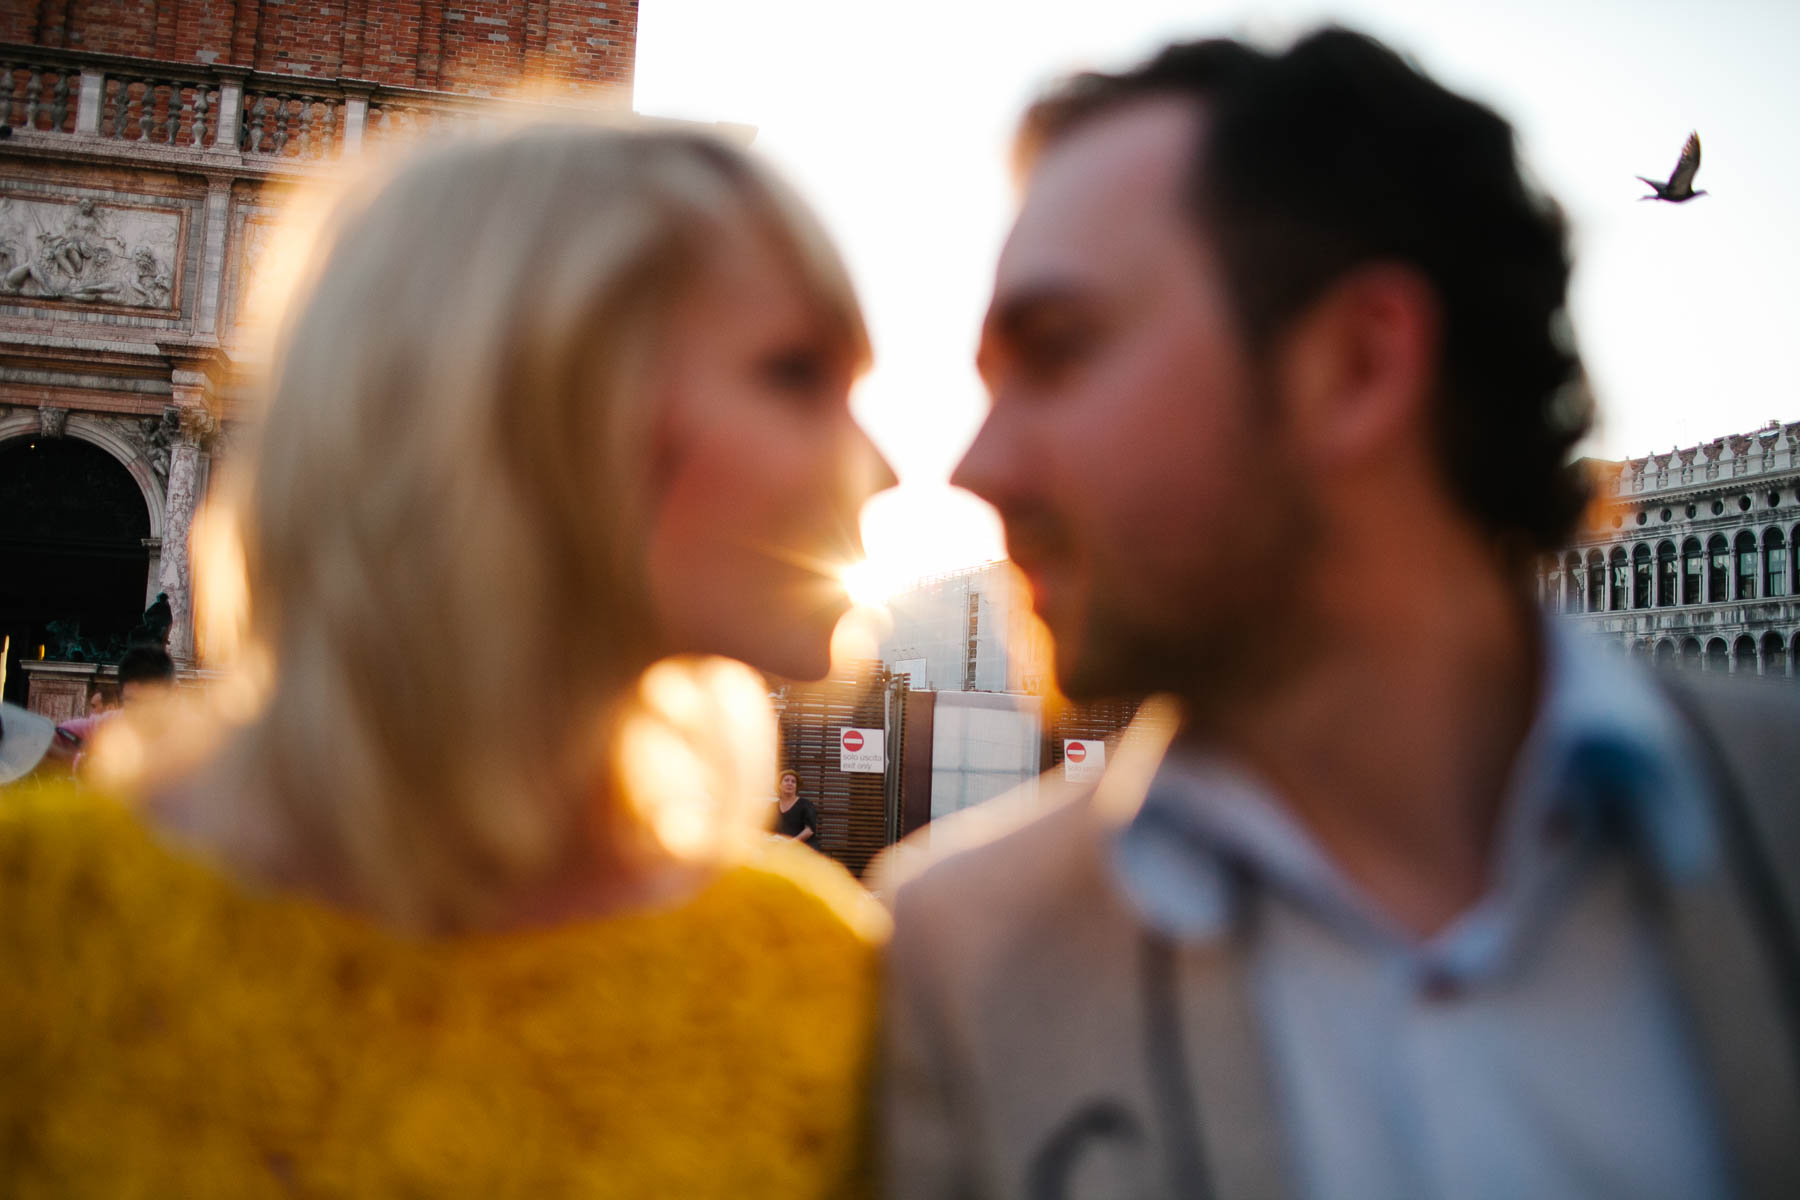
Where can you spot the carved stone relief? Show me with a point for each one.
(151, 436)
(87, 251)
(52, 421)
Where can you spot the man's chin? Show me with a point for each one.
(1087, 675)
(1124, 667)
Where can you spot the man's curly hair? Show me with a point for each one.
(1337, 154)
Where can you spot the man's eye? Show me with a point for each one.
(1049, 352)
(797, 370)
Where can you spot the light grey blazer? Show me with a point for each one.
(1041, 1043)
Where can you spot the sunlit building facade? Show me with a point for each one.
(1693, 561)
(968, 631)
(150, 149)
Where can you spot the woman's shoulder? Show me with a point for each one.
(786, 886)
(58, 838)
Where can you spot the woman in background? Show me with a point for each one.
(468, 905)
(796, 818)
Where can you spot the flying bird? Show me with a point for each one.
(1680, 187)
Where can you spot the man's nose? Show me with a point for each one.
(986, 466)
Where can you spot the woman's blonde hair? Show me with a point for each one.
(441, 523)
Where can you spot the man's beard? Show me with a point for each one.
(1236, 630)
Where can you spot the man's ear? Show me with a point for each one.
(1357, 369)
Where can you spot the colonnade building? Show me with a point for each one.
(1693, 561)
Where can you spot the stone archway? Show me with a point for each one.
(75, 525)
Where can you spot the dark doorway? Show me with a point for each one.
(72, 530)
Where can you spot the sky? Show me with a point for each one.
(894, 121)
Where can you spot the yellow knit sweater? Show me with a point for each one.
(166, 1032)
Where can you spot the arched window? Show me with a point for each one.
(1573, 580)
(1693, 572)
(1743, 655)
(1666, 653)
(1718, 569)
(1691, 653)
(1666, 576)
(1718, 655)
(1774, 654)
(1749, 565)
(1641, 577)
(1596, 583)
(1775, 564)
(1621, 579)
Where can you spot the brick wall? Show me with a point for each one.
(473, 46)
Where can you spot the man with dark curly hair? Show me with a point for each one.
(1421, 896)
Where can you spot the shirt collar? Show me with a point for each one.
(1607, 754)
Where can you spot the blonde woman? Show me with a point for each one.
(473, 903)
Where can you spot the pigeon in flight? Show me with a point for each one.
(1680, 187)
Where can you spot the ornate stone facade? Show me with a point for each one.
(137, 196)
(1693, 559)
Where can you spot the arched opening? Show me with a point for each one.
(1666, 653)
(1718, 569)
(1693, 568)
(72, 530)
(1748, 565)
(1621, 579)
(1718, 655)
(1667, 577)
(1691, 653)
(1596, 584)
(1794, 658)
(1743, 655)
(1774, 654)
(1640, 576)
(1573, 579)
(1775, 564)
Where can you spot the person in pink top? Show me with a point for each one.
(143, 672)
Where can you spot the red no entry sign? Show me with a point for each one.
(853, 740)
(1076, 752)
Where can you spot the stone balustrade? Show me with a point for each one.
(36, 93)
(159, 109)
(259, 121)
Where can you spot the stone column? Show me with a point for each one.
(187, 462)
(231, 111)
(212, 258)
(89, 100)
(356, 116)
(196, 422)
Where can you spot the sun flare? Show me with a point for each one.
(869, 583)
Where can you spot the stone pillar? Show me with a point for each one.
(89, 101)
(356, 117)
(153, 580)
(231, 111)
(187, 460)
(212, 258)
(196, 423)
